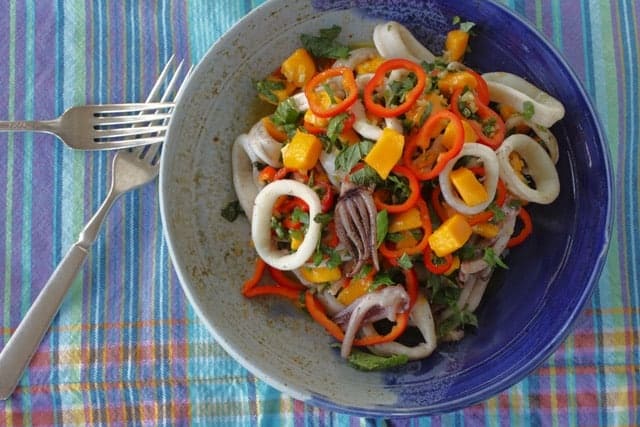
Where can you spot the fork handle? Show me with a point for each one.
(27, 126)
(19, 350)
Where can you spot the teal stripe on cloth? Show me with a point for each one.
(127, 349)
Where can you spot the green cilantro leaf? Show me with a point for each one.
(405, 262)
(267, 87)
(336, 126)
(528, 110)
(352, 154)
(231, 211)
(382, 226)
(325, 44)
(370, 362)
(493, 259)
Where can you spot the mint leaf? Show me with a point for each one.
(370, 362)
(325, 45)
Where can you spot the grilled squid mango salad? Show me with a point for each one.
(388, 184)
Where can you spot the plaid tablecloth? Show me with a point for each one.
(126, 348)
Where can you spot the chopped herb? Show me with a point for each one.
(444, 291)
(298, 215)
(425, 113)
(366, 269)
(489, 126)
(405, 262)
(467, 26)
(398, 187)
(394, 237)
(365, 176)
(352, 154)
(336, 126)
(493, 259)
(332, 96)
(370, 362)
(398, 89)
(514, 203)
(325, 45)
(276, 225)
(467, 252)
(464, 26)
(382, 279)
(323, 218)
(287, 116)
(382, 226)
(498, 214)
(231, 211)
(458, 319)
(267, 87)
(528, 110)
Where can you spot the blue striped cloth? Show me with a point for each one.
(127, 349)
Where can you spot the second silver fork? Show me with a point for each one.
(130, 169)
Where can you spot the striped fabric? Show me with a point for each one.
(126, 348)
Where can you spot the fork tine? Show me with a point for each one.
(131, 144)
(141, 119)
(155, 90)
(127, 131)
(153, 152)
(112, 109)
(172, 83)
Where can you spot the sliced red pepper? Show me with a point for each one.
(327, 195)
(283, 280)
(439, 268)
(378, 79)
(422, 157)
(414, 187)
(481, 89)
(527, 229)
(486, 115)
(348, 83)
(437, 204)
(393, 254)
(267, 174)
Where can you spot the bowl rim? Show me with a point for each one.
(517, 374)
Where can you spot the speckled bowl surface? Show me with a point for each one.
(528, 309)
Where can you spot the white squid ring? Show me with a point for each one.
(540, 165)
(512, 90)
(548, 139)
(490, 183)
(261, 224)
(243, 180)
(393, 40)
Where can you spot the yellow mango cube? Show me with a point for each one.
(302, 152)
(406, 220)
(470, 189)
(450, 236)
(299, 68)
(486, 230)
(455, 44)
(456, 80)
(321, 274)
(295, 243)
(369, 66)
(355, 289)
(386, 152)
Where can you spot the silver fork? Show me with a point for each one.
(102, 127)
(130, 169)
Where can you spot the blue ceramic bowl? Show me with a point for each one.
(528, 309)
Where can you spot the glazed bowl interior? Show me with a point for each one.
(527, 310)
